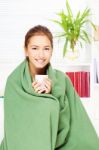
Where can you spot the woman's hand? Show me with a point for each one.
(44, 87)
(48, 85)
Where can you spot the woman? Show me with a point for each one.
(48, 118)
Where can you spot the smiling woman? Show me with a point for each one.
(38, 51)
(51, 117)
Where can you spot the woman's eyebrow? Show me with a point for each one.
(47, 46)
(38, 46)
(34, 45)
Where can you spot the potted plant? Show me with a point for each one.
(74, 27)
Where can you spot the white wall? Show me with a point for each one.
(94, 5)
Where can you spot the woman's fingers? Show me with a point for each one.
(44, 87)
(41, 91)
(37, 86)
(48, 85)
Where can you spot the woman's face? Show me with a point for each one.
(39, 51)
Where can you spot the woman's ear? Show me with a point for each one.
(52, 53)
(26, 52)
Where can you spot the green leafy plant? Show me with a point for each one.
(74, 28)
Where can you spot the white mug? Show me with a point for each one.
(40, 79)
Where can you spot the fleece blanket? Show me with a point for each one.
(56, 121)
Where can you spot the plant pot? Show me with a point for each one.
(72, 54)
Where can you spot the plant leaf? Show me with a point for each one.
(80, 44)
(60, 35)
(85, 14)
(69, 9)
(85, 34)
(93, 25)
(83, 38)
(78, 15)
(65, 47)
(56, 21)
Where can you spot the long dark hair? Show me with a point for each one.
(38, 30)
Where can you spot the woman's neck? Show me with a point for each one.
(34, 71)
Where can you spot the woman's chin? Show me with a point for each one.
(40, 66)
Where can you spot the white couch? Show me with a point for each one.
(1, 120)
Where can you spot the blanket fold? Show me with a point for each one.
(56, 121)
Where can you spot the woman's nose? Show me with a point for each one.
(41, 53)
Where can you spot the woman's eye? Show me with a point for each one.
(47, 49)
(34, 48)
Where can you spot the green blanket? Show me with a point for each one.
(55, 121)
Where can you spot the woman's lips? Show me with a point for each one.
(40, 61)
